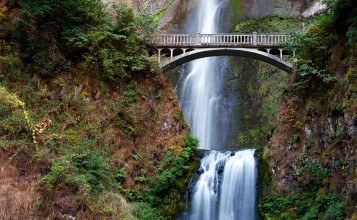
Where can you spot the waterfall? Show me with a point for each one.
(200, 89)
(227, 196)
(225, 189)
(237, 200)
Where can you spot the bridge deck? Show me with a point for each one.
(197, 40)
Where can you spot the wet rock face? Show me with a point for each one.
(178, 11)
(326, 136)
(175, 14)
(258, 8)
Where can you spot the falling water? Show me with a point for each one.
(225, 189)
(237, 200)
(229, 195)
(201, 85)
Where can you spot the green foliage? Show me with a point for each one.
(190, 149)
(10, 65)
(13, 117)
(146, 26)
(306, 68)
(311, 76)
(106, 54)
(315, 42)
(131, 94)
(311, 174)
(337, 24)
(343, 14)
(120, 175)
(338, 136)
(303, 205)
(116, 50)
(352, 35)
(145, 211)
(124, 20)
(159, 94)
(171, 179)
(9, 100)
(136, 156)
(335, 210)
(271, 23)
(296, 137)
(132, 195)
(50, 49)
(308, 143)
(82, 169)
(340, 108)
(12, 121)
(170, 171)
(66, 30)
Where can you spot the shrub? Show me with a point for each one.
(131, 95)
(190, 149)
(85, 171)
(14, 119)
(303, 205)
(335, 211)
(146, 212)
(312, 173)
(169, 184)
(10, 65)
(58, 32)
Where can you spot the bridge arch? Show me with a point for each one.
(242, 52)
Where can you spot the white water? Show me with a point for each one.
(237, 200)
(201, 85)
(226, 196)
(226, 188)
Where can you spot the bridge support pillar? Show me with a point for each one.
(268, 50)
(197, 39)
(171, 53)
(159, 55)
(255, 42)
(281, 53)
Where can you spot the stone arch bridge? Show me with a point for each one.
(177, 49)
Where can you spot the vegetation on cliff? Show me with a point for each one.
(311, 156)
(85, 116)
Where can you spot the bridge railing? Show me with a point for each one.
(207, 40)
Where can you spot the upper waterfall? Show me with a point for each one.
(200, 90)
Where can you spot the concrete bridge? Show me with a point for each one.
(177, 49)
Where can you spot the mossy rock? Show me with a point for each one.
(351, 74)
(354, 216)
(2, 13)
(271, 23)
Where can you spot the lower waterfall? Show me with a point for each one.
(237, 200)
(226, 187)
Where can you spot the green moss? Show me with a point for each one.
(351, 74)
(236, 6)
(271, 23)
(264, 174)
(160, 13)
